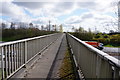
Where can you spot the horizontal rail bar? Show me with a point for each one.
(23, 40)
(93, 62)
(101, 53)
(17, 54)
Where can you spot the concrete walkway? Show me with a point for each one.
(42, 67)
(54, 71)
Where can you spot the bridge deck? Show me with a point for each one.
(43, 68)
(43, 65)
(54, 71)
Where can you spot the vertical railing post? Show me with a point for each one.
(116, 73)
(25, 53)
(2, 62)
(99, 63)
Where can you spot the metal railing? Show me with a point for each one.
(15, 55)
(92, 62)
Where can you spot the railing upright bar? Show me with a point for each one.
(116, 73)
(6, 61)
(2, 63)
(14, 56)
(9, 66)
(18, 54)
(25, 52)
(21, 54)
(11, 56)
(93, 62)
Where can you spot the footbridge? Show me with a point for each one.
(40, 57)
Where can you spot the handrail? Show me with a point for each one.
(103, 55)
(17, 54)
(93, 62)
(23, 40)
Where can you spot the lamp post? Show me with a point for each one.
(49, 24)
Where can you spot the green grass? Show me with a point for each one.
(109, 45)
(66, 71)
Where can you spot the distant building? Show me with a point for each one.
(61, 28)
(42, 27)
(21, 25)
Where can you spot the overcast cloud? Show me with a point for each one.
(66, 12)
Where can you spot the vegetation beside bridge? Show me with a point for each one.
(66, 71)
(22, 33)
(108, 40)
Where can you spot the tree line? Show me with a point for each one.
(22, 31)
(83, 34)
(105, 38)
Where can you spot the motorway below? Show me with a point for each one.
(115, 52)
(111, 49)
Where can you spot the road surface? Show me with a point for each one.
(111, 49)
(115, 52)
